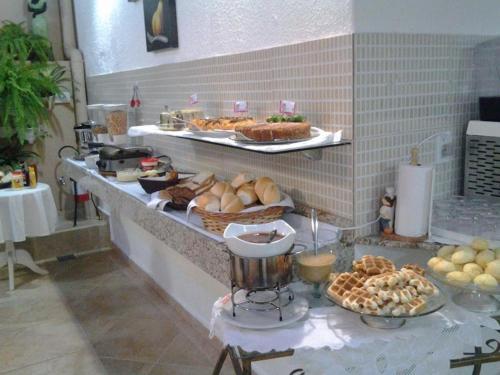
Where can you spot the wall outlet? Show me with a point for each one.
(444, 151)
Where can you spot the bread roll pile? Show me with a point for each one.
(242, 192)
(462, 265)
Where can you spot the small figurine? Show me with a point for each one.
(387, 211)
(39, 22)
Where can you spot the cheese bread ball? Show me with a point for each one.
(485, 281)
(473, 269)
(464, 255)
(484, 257)
(480, 244)
(445, 252)
(458, 278)
(444, 266)
(433, 261)
(493, 268)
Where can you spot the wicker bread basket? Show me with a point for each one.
(216, 222)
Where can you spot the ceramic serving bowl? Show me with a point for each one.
(259, 250)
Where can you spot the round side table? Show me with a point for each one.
(28, 212)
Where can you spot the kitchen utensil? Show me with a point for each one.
(262, 273)
(114, 158)
(244, 248)
(314, 229)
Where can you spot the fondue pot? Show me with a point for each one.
(257, 266)
(262, 273)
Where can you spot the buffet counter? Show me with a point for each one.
(186, 261)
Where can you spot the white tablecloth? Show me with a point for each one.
(29, 212)
(423, 345)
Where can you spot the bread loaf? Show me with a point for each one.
(230, 203)
(220, 188)
(209, 202)
(242, 178)
(247, 194)
(267, 191)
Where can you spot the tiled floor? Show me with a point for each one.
(94, 316)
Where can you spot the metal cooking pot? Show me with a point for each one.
(262, 273)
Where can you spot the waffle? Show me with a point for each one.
(373, 265)
(396, 295)
(411, 308)
(388, 279)
(421, 284)
(358, 299)
(415, 268)
(344, 283)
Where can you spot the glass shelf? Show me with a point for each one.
(311, 149)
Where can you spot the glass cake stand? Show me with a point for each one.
(390, 321)
(470, 296)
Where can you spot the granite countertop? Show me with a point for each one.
(377, 240)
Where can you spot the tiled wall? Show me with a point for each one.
(317, 75)
(487, 60)
(408, 87)
(388, 91)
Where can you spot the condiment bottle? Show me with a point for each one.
(32, 175)
(17, 181)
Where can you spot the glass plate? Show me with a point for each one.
(390, 321)
(315, 132)
(470, 296)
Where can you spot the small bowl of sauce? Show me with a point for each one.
(260, 240)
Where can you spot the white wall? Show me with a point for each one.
(111, 32)
(473, 17)
(12, 10)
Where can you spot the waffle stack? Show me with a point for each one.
(375, 287)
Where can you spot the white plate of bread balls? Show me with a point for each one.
(474, 267)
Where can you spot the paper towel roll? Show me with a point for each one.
(414, 198)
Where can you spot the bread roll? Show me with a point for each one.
(261, 184)
(208, 202)
(247, 194)
(433, 261)
(473, 269)
(493, 268)
(486, 281)
(484, 257)
(220, 188)
(203, 178)
(444, 266)
(458, 278)
(230, 203)
(242, 178)
(466, 255)
(480, 244)
(446, 252)
(271, 195)
(267, 191)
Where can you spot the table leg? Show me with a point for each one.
(9, 251)
(220, 362)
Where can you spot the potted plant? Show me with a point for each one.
(28, 79)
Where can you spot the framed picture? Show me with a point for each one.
(161, 24)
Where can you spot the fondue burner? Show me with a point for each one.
(264, 299)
